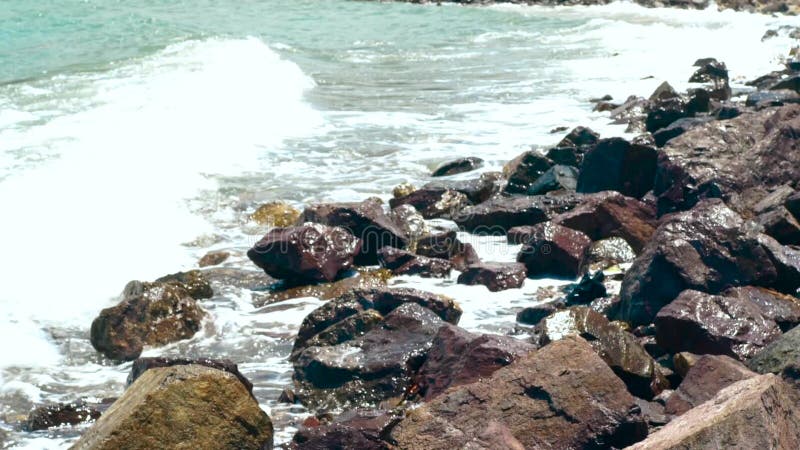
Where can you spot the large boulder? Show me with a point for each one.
(366, 221)
(185, 406)
(708, 248)
(402, 262)
(310, 252)
(617, 165)
(610, 214)
(759, 412)
(554, 250)
(142, 365)
(499, 214)
(495, 276)
(562, 396)
(781, 308)
(459, 357)
(618, 348)
(778, 355)
(712, 324)
(149, 314)
(708, 375)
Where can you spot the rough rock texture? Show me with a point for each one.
(532, 315)
(617, 347)
(460, 165)
(557, 178)
(311, 252)
(712, 324)
(562, 396)
(275, 214)
(74, 413)
(709, 375)
(779, 354)
(617, 165)
(477, 190)
(149, 314)
(610, 214)
(587, 289)
(554, 250)
(401, 262)
(447, 246)
(781, 308)
(459, 357)
(499, 214)
(495, 276)
(433, 201)
(363, 279)
(756, 413)
(141, 365)
(187, 406)
(524, 170)
(610, 252)
(194, 281)
(708, 248)
(360, 429)
(213, 259)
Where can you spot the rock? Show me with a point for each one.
(401, 262)
(652, 412)
(460, 165)
(766, 99)
(434, 202)
(495, 276)
(725, 159)
(617, 165)
(55, 415)
(287, 397)
(711, 324)
(499, 214)
(566, 156)
(758, 412)
(141, 365)
(662, 113)
(194, 281)
(558, 177)
(699, 102)
(580, 137)
(779, 354)
(791, 83)
(477, 190)
(708, 248)
(185, 406)
(605, 306)
(520, 235)
(410, 222)
(676, 129)
(786, 260)
(363, 279)
(239, 278)
(781, 308)
(781, 225)
(532, 315)
(365, 220)
(371, 368)
(587, 289)
(727, 112)
(610, 252)
(361, 429)
(447, 246)
(213, 259)
(777, 198)
(562, 396)
(149, 314)
(664, 91)
(403, 189)
(310, 252)
(609, 214)
(387, 300)
(345, 330)
(709, 375)
(616, 347)
(631, 112)
(554, 250)
(459, 357)
(524, 170)
(682, 362)
(275, 214)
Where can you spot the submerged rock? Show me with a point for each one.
(554, 250)
(275, 214)
(495, 276)
(213, 259)
(363, 279)
(460, 165)
(49, 416)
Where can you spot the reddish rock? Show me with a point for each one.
(499, 214)
(401, 262)
(781, 308)
(617, 165)
(355, 429)
(554, 250)
(310, 252)
(709, 375)
(447, 246)
(495, 276)
(781, 225)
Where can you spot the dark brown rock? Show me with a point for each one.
(617, 165)
(525, 169)
(709, 375)
(310, 252)
(460, 165)
(49, 416)
(213, 258)
(532, 315)
(361, 429)
(477, 190)
(499, 214)
(781, 308)
(610, 252)
(495, 276)
(580, 137)
(781, 225)
(402, 262)
(587, 289)
(554, 250)
(194, 281)
(434, 202)
(447, 246)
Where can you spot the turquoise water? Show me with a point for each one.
(135, 136)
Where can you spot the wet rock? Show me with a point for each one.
(149, 314)
(371, 368)
(554, 250)
(562, 396)
(557, 178)
(403, 189)
(682, 362)
(363, 279)
(617, 165)
(781, 308)
(532, 315)
(447, 246)
(566, 156)
(652, 412)
(791, 83)
(459, 357)
(275, 214)
(287, 397)
(580, 137)
(410, 222)
(758, 412)
(610, 214)
(361, 429)
(616, 347)
(387, 300)
(499, 214)
(587, 289)
(786, 260)
(460, 165)
(610, 252)
(50, 416)
(310, 252)
(366, 221)
(231, 277)
(605, 305)
(401, 262)
(213, 258)
(185, 406)
(727, 112)
(711, 324)
(141, 365)
(194, 281)
(766, 99)
(520, 235)
(495, 276)
(632, 112)
(434, 202)
(709, 375)
(708, 248)
(779, 354)
(661, 113)
(345, 330)
(524, 170)
(676, 129)
(477, 190)
(781, 225)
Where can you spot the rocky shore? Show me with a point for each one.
(682, 330)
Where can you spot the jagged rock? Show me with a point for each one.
(361, 429)
(410, 222)
(524, 170)
(499, 214)
(562, 396)
(401, 262)
(447, 246)
(213, 259)
(311, 252)
(275, 214)
(557, 178)
(790, 83)
(459, 357)
(477, 190)
(779, 354)
(49, 416)
(759, 412)
(566, 156)
(610, 214)
(365, 220)
(460, 165)
(676, 129)
(141, 365)
(554, 250)
(709, 375)
(618, 348)
(185, 406)
(781, 308)
(345, 330)
(617, 165)
(587, 289)
(580, 137)
(434, 202)
(363, 279)
(781, 225)
(610, 252)
(520, 235)
(711, 324)
(495, 276)
(767, 99)
(532, 315)
(663, 112)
